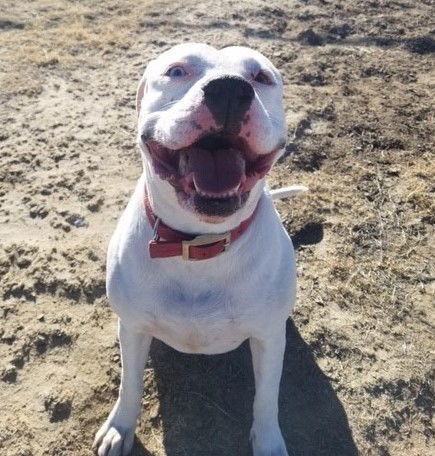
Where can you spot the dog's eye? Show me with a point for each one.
(263, 78)
(176, 72)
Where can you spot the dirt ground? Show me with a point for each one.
(359, 96)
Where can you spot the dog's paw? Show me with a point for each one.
(267, 442)
(113, 440)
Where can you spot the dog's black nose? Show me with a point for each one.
(228, 98)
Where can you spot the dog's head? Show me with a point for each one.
(211, 124)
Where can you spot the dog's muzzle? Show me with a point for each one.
(214, 174)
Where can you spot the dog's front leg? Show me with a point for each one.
(115, 437)
(267, 359)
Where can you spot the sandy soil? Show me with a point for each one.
(359, 84)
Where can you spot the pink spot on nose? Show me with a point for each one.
(196, 125)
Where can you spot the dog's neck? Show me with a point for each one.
(165, 205)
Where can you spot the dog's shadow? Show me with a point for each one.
(206, 403)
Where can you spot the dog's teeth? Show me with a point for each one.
(183, 163)
(217, 195)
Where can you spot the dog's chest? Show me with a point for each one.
(198, 321)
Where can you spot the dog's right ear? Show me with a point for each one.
(140, 92)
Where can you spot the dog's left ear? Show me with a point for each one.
(140, 92)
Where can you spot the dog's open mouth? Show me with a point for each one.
(214, 175)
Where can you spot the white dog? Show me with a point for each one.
(211, 124)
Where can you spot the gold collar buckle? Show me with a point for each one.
(204, 239)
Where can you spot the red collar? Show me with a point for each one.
(189, 247)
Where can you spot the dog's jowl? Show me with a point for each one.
(199, 258)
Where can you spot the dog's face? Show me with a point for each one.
(211, 124)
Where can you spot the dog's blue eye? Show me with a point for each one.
(263, 78)
(176, 72)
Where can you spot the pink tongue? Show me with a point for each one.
(217, 171)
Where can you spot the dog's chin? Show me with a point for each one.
(213, 176)
(212, 210)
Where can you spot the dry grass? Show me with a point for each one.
(61, 34)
